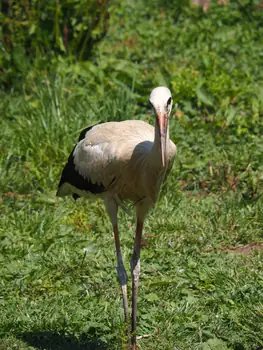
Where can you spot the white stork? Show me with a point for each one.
(119, 161)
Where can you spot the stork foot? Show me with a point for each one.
(144, 336)
(134, 346)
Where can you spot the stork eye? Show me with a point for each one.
(169, 101)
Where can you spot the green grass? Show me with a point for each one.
(201, 283)
(195, 292)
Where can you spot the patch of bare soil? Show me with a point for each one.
(241, 249)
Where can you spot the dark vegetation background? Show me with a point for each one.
(67, 64)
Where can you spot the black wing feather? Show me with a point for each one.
(74, 178)
(83, 132)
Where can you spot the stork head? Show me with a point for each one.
(161, 101)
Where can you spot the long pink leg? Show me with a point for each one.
(122, 275)
(135, 271)
(112, 209)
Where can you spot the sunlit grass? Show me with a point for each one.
(201, 263)
(196, 290)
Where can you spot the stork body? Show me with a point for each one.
(120, 161)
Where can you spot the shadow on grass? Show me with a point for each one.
(55, 341)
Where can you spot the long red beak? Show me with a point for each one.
(162, 120)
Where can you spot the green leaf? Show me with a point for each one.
(214, 344)
(204, 96)
(152, 297)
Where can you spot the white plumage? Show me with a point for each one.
(120, 161)
(118, 155)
